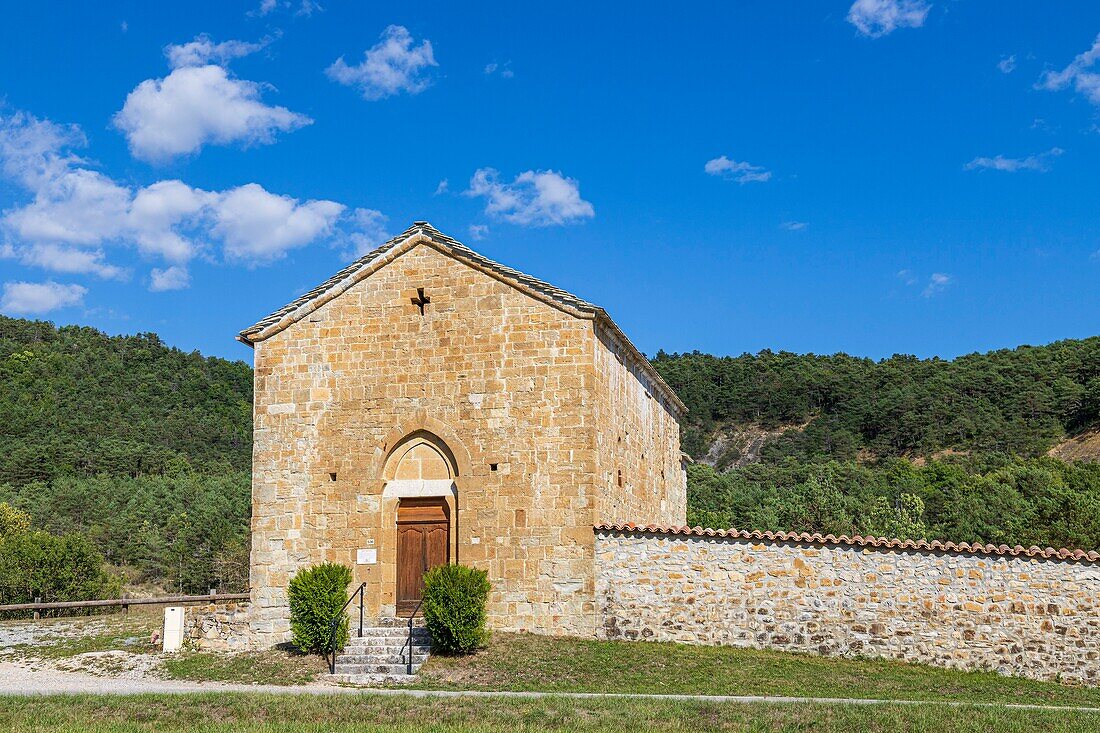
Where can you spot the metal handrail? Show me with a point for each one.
(336, 625)
(409, 642)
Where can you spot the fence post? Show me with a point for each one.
(125, 605)
(37, 615)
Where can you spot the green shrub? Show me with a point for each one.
(454, 608)
(36, 564)
(316, 595)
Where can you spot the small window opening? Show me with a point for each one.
(421, 300)
(332, 476)
(619, 478)
(492, 466)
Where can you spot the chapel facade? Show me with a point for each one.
(427, 405)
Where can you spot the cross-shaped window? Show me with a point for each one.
(421, 300)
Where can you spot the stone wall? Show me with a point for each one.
(997, 609)
(218, 627)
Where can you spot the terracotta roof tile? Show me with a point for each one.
(1048, 553)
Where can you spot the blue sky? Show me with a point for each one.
(893, 176)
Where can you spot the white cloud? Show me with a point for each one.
(305, 7)
(203, 51)
(936, 284)
(257, 226)
(1040, 162)
(162, 217)
(33, 150)
(876, 18)
(171, 278)
(534, 198)
(391, 66)
(69, 260)
(793, 226)
(736, 170)
(74, 212)
(367, 231)
(23, 298)
(1079, 74)
(78, 207)
(1007, 64)
(478, 231)
(443, 187)
(504, 69)
(195, 106)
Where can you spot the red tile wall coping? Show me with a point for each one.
(1048, 553)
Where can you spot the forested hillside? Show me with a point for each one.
(904, 447)
(1018, 402)
(76, 402)
(141, 448)
(125, 451)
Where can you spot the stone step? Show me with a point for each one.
(388, 632)
(400, 621)
(383, 643)
(394, 657)
(366, 651)
(391, 669)
(370, 679)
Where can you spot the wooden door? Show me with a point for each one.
(423, 532)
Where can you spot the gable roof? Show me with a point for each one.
(422, 232)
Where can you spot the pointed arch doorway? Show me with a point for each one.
(421, 473)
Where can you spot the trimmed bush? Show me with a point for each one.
(316, 595)
(454, 608)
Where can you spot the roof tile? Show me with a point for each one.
(1048, 553)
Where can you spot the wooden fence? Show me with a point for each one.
(38, 607)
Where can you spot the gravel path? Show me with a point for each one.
(19, 680)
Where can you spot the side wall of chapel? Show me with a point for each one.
(637, 443)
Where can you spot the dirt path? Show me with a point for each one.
(21, 679)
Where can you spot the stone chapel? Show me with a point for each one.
(427, 405)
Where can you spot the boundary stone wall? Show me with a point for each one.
(1032, 616)
(219, 627)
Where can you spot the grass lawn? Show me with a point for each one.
(373, 713)
(273, 667)
(530, 662)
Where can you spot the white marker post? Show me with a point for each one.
(173, 628)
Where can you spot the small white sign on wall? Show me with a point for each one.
(368, 556)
